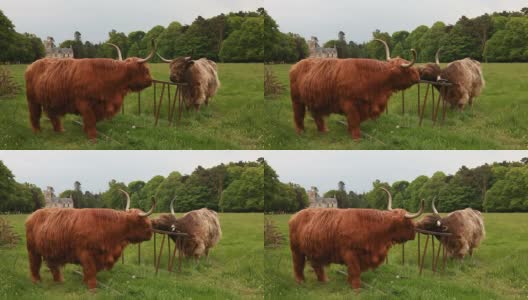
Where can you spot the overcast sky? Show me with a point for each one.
(95, 18)
(358, 169)
(358, 19)
(94, 169)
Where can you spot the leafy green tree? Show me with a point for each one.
(246, 193)
(245, 44)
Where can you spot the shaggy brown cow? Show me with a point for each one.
(466, 227)
(357, 88)
(200, 75)
(202, 226)
(465, 75)
(91, 237)
(92, 87)
(358, 238)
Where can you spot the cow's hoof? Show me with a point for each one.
(36, 130)
(35, 279)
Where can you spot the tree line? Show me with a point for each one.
(233, 187)
(496, 37)
(496, 187)
(235, 37)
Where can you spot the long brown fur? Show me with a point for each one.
(201, 77)
(358, 238)
(357, 88)
(466, 227)
(202, 226)
(465, 75)
(92, 87)
(93, 238)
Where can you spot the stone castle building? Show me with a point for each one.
(316, 51)
(320, 202)
(52, 201)
(54, 52)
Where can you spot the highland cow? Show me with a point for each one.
(202, 227)
(357, 88)
(466, 227)
(358, 238)
(200, 76)
(466, 78)
(91, 237)
(91, 87)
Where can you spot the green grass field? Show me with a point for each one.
(234, 270)
(232, 121)
(497, 120)
(497, 270)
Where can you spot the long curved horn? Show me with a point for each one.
(163, 59)
(148, 213)
(151, 54)
(128, 199)
(416, 215)
(172, 207)
(120, 57)
(412, 62)
(437, 59)
(387, 51)
(389, 206)
(434, 207)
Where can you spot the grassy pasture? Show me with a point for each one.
(497, 120)
(232, 120)
(497, 270)
(234, 270)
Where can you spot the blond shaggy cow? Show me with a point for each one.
(200, 75)
(202, 226)
(465, 75)
(466, 227)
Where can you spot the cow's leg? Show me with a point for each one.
(89, 120)
(35, 111)
(35, 261)
(89, 270)
(299, 261)
(319, 271)
(299, 110)
(320, 122)
(56, 272)
(57, 124)
(354, 119)
(354, 271)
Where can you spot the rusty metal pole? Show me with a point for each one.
(444, 252)
(154, 112)
(424, 104)
(433, 101)
(154, 249)
(444, 105)
(171, 261)
(159, 104)
(180, 245)
(437, 255)
(168, 252)
(419, 99)
(169, 102)
(419, 247)
(160, 253)
(180, 105)
(433, 253)
(440, 99)
(424, 253)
